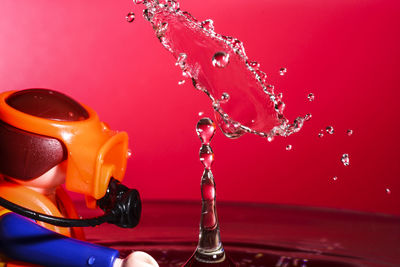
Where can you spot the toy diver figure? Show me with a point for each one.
(46, 139)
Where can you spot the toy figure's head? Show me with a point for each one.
(41, 128)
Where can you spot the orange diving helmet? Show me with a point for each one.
(71, 132)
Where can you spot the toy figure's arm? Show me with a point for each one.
(23, 240)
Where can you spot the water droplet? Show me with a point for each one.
(308, 117)
(349, 132)
(206, 156)
(329, 130)
(280, 107)
(282, 71)
(181, 61)
(269, 89)
(201, 113)
(335, 178)
(254, 64)
(225, 97)
(128, 153)
(345, 159)
(310, 97)
(321, 134)
(138, 1)
(205, 130)
(187, 74)
(261, 75)
(181, 82)
(289, 147)
(388, 191)
(237, 46)
(220, 59)
(208, 25)
(130, 17)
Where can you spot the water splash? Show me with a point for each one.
(218, 64)
(209, 248)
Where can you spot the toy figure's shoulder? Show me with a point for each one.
(3, 211)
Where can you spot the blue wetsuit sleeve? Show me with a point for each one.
(23, 240)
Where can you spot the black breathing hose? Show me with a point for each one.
(122, 206)
(57, 221)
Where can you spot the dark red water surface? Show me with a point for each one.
(261, 235)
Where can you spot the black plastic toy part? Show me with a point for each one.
(122, 207)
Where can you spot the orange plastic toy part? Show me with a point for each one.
(95, 153)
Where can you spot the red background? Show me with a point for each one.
(346, 52)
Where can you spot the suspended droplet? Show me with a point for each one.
(130, 17)
(308, 117)
(138, 1)
(208, 25)
(128, 153)
(206, 156)
(388, 191)
(289, 147)
(321, 134)
(201, 113)
(335, 178)
(349, 132)
(345, 159)
(329, 130)
(205, 130)
(225, 97)
(310, 97)
(181, 61)
(181, 82)
(282, 71)
(220, 59)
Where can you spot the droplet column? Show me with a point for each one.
(209, 248)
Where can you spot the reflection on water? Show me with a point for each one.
(260, 235)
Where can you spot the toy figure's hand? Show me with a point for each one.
(136, 259)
